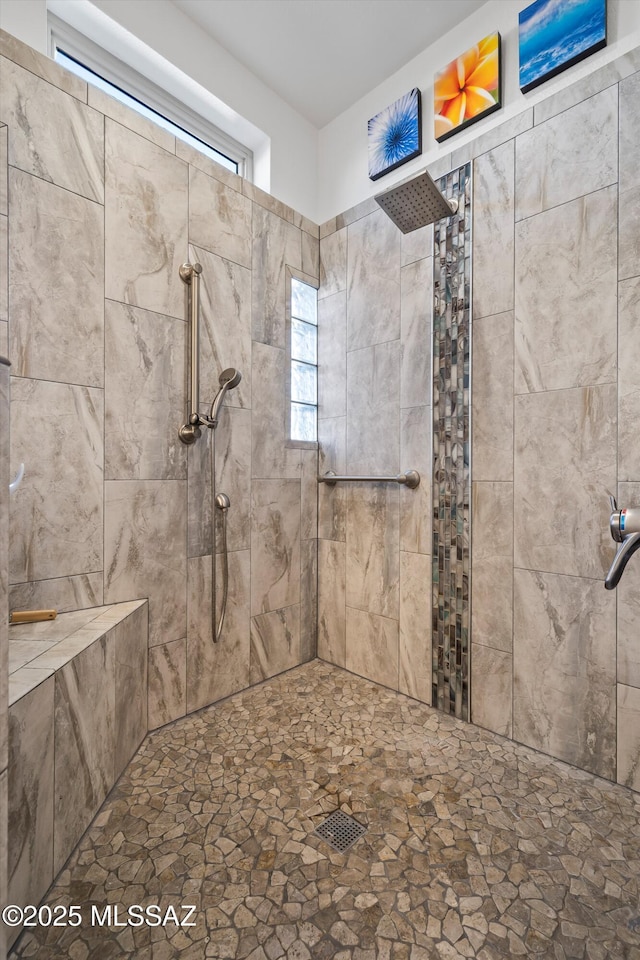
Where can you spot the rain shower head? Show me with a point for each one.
(415, 203)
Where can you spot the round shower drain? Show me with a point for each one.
(340, 830)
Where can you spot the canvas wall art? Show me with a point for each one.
(468, 88)
(555, 34)
(395, 135)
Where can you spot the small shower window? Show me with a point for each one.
(303, 361)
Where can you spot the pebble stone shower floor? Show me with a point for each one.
(475, 846)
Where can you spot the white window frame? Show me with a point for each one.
(292, 274)
(124, 76)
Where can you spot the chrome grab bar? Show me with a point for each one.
(190, 274)
(410, 479)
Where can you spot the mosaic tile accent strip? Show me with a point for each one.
(476, 846)
(451, 446)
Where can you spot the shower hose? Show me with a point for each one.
(222, 503)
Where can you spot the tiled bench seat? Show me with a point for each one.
(77, 714)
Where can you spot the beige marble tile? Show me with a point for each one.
(493, 232)
(4, 185)
(276, 244)
(42, 66)
(568, 156)
(332, 500)
(629, 179)
(207, 165)
(31, 796)
(333, 264)
(373, 395)
(564, 650)
(493, 138)
(53, 136)
(275, 642)
(416, 245)
(373, 281)
(225, 327)
(416, 304)
(216, 670)
(129, 118)
(60, 498)
(565, 324)
(26, 679)
(309, 495)
(332, 356)
(146, 221)
(23, 652)
(492, 398)
(491, 689)
(308, 600)
(310, 255)
(628, 597)
(492, 565)
(130, 640)
(414, 658)
(60, 593)
(4, 285)
(628, 755)
(373, 560)
(561, 512)
(332, 601)
(233, 477)
(144, 394)
(167, 683)
(605, 76)
(275, 545)
(628, 379)
(145, 551)
(56, 277)
(84, 744)
(372, 647)
(199, 488)
(270, 457)
(219, 218)
(415, 505)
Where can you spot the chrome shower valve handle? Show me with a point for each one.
(624, 525)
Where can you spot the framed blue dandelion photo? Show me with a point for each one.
(556, 34)
(395, 135)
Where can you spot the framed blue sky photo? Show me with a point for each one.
(555, 34)
(395, 135)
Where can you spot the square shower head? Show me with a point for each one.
(415, 203)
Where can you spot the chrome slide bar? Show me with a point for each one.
(410, 479)
(190, 274)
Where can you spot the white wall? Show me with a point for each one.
(161, 37)
(342, 163)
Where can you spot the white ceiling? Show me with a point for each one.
(321, 56)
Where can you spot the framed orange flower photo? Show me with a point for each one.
(469, 88)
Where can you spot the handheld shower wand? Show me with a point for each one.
(228, 379)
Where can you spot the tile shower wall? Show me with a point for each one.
(555, 659)
(556, 407)
(103, 209)
(374, 352)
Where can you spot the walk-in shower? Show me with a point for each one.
(190, 431)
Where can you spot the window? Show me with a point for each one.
(87, 60)
(303, 352)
